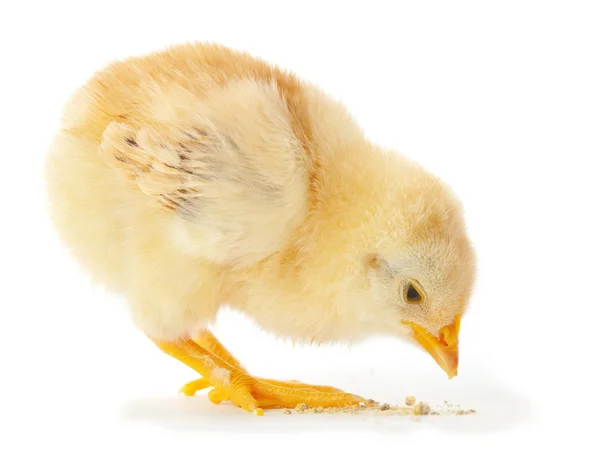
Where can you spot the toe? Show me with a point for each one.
(291, 397)
(217, 396)
(295, 384)
(244, 399)
(189, 389)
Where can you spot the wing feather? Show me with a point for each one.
(237, 192)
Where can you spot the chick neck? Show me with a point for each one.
(358, 192)
(342, 228)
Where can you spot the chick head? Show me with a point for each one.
(421, 266)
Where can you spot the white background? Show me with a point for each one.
(500, 99)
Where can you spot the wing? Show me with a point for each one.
(236, 193)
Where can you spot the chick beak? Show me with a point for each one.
(443, 348)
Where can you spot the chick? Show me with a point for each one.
(199, 177)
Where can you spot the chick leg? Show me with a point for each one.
(245, 391)
(209, 342)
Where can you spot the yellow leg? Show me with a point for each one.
(242, 389)
(209, 342)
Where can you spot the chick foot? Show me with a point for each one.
(191, 388)
(245, 391)
(272, 393)
(209, 342)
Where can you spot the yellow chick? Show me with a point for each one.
(200, 177)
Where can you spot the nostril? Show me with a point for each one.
(444, 338)
(447, 337)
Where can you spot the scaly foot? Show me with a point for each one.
(191, 388)
(254, 394)
(247, 392)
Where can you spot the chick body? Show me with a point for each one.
(291, 252)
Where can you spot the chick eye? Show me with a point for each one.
(412, 294)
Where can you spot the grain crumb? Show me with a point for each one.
(414, 409)
(421, 409)
(301, 407)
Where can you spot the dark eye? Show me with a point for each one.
(413, 294)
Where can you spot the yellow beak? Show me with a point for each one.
(444, 348)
